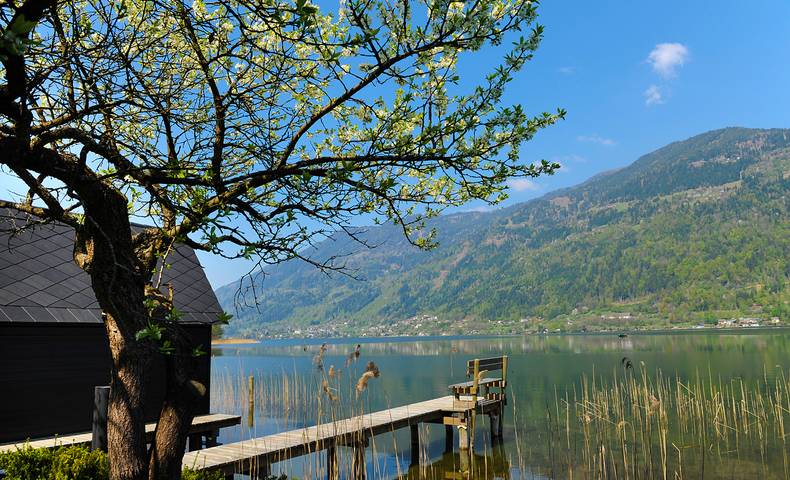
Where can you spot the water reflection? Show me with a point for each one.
(464, 466)
(545, 372)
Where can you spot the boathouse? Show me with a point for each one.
(53, 346)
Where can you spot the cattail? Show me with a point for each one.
(318, 360)
(371, 367)
(328, 391)
(654, 403)
(362, 383)
(332, 371)
(371, 371)
(353, 356)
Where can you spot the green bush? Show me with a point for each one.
(189, 474)
(69, 463)
(65, 463)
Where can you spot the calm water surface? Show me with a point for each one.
(290, 389)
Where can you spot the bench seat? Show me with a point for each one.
(483, 382)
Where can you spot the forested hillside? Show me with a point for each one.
(695, 231)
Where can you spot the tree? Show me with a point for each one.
(247, 129)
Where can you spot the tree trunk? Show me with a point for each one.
(104, 248)
(126, 444)
(121, 268)
(181, 397)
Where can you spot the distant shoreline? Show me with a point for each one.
(233, 341)
(598, 333)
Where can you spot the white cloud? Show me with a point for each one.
(653, 95)
(523, 184)
(567, 70)
(595, 138)
(667, 57)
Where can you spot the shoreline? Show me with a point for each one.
(406, 338)
(234, 341)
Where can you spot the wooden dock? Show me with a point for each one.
(202, 425)
(255, 456)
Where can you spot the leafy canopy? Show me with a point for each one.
(257, 127)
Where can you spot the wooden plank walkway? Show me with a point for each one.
(201, 424)
(257, 454)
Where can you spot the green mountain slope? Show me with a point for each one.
(695, 231)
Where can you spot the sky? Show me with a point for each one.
(633, 77)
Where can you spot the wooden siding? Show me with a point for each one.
(48, 372)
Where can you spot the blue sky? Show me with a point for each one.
(717, 64)
(723, 63)
(713, 64)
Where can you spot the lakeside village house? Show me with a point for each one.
(53, 346)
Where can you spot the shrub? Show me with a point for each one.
(189, 474)
(70, 463)
(64, 463)
(26, 463)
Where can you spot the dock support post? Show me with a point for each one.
(359, 467)
(463, 437)
(251, 403)
(466, 432)
(332, 472)
(448, 438)
(212, 438)
(262, 471)
(415, 444)
(195, 442)
(101, 402)
(464, 460)
(495, 419)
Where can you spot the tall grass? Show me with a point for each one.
(642, 425)
(284, 401)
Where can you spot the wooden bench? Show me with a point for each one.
(203, 426)
(477, 393)
(478, 371)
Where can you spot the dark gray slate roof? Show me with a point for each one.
(39, 281)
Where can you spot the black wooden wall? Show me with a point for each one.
(48, 372)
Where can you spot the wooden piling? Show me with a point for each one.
(463, 437)
(448, 438)
(332, 470)
(495, 421)
(101, 402)
(251, 402)
(262, 472)
(195, 442)
(415, 443)
(359, 466)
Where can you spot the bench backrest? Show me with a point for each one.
(474, 367)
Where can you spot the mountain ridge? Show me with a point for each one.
(499, 266)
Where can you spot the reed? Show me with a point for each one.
(633, 424)
(648, 425)
(288, 400)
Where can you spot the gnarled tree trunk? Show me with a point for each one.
(175, 418)
(121, 267)
(104, 249)
(126, 423)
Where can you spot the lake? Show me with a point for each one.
(565, 395)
